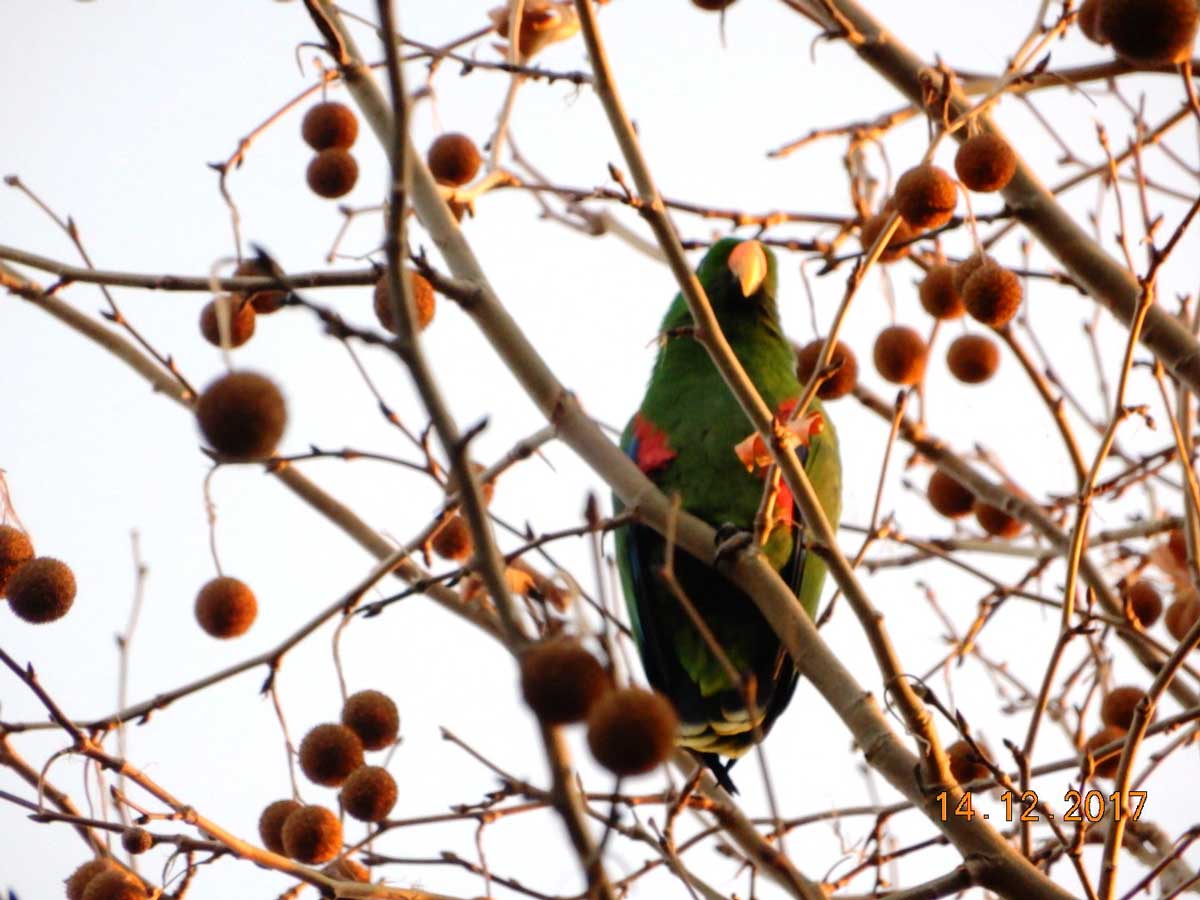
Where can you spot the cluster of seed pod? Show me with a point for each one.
(332, 755)
(1142, 32)
(39, 589)
(630, 731)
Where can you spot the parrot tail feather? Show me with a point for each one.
(720, 770)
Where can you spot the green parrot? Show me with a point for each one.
(692, 439)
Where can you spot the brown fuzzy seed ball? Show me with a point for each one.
(423, 299)
(1106, 735)
(136, 840)
(41, 590)
(1144, 602)
(1118, 706)
(965, 764)
(926, 196)
(985, 162)
(561, 681)
(841, 382)
(938, 295)
(15, 550)
(78, 880)
(1177, 544)
(996, 521)
(369, 794)
(242, 317)
(332, 173)
(896, 248)
(965, 269)
(1181, 616)
(1148, 32)
(632, 731)
(329, 124)
(1089, 22)
(270, 823)
(712, 5)
(900, 355)
(373, 716)
(242, 415)
(453, 540)
(226, 607)
(453, 159)
(115, 884)
(992, 295)
(949, 497)
(348, 870)
(264, 302)
(973, 358)
(329, 753)
(312, 834)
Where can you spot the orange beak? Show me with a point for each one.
(748, 262)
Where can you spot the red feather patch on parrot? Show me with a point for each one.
(653, 451)
(752, 452)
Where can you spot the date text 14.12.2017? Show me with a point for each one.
(1092, 806)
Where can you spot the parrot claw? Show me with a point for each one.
(731, 541)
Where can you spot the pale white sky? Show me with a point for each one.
(112, 112)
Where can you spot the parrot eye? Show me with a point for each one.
(748, 263)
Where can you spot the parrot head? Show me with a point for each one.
(739, 277)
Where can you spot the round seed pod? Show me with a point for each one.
(561, 681)
(369, 794)
(712, 5)
(1118, 706)
(1149, 32)
(965, 764)
(270, 823)
(1144, 602)
(1107, 766)
(1089, 22)
(1181, 616)
(332, 173)
(264, 302)
(241, 321)
(226, 607)
(452, 540)
(949, 497)
(329, 753)
(631, 731)
(423, 298)
(312, 834)
(841, 382)
(926, 196)
(78, 880)
(992, 295)
(900, 355)
(453, 159)
(348, 869)
(41, 590)
(897, 247)
(242, 415)
(938, 295)
(15, 550)
(1177, 544)
(329, 124)
(973, 358)
(965, 269)
(985, 162)
(115, 884)
(372, 715)
(996, 521)
(136, 840)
